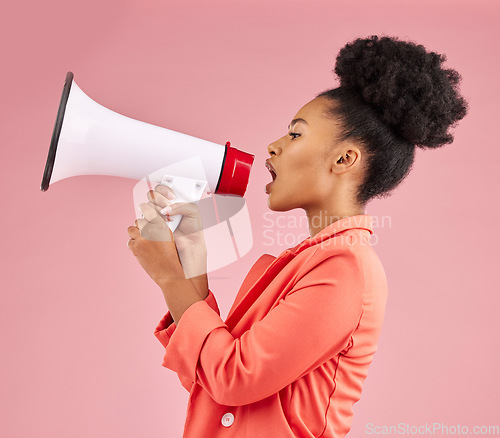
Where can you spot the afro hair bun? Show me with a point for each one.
(413, 93)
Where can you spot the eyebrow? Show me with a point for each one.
(296, 121)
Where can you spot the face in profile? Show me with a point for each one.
(302, 160)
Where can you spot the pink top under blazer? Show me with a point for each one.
(292, 355)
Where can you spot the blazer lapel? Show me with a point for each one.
(255, 282)
(266, 269)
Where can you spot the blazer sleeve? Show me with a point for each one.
(311, 324)
(166, 327)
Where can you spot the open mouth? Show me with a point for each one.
(271, 170)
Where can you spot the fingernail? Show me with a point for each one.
(167, 209)
(169, 192)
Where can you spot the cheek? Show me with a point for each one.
(302, 162)
(314, 177)
(310, 169)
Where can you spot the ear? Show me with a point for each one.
(345, 160)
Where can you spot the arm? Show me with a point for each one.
(166, 327)
(194, 263)
(310, 325)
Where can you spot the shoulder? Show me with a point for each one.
(346, 259)
(343, 250)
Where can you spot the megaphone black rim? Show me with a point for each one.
(221, 168)
(49, 165)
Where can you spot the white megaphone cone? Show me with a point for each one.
(90, 139)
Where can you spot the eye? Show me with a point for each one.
(292, 134)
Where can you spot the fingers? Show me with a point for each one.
(140, 223)
(166, 191)
(159, 202)
(133, 232)
(185, 208)
(158, 198)
(150, 212)
(164, 215)
(158, 209)
(156, 232)
(151, 227)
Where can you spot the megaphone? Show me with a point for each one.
(90, 139)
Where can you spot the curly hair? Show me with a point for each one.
(393, 96)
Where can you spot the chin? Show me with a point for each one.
(277, 206)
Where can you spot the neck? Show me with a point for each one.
(320, 218)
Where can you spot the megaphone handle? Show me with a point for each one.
(186, 190)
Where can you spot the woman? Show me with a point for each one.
(291, 357)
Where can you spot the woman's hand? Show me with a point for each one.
(189, 232)
(187, 241)
(188, 236)
(152, 243)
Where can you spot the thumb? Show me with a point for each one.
(185, 208)
(150, 214)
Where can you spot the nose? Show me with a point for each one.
(273, 148)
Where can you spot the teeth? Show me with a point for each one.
(273, 173)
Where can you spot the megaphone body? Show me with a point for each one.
(90, 139)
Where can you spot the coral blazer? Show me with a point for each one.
(292, 355)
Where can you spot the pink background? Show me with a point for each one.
(79, 358)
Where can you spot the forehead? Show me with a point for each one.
(315, 113)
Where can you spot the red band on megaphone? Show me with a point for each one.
(236, 171)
